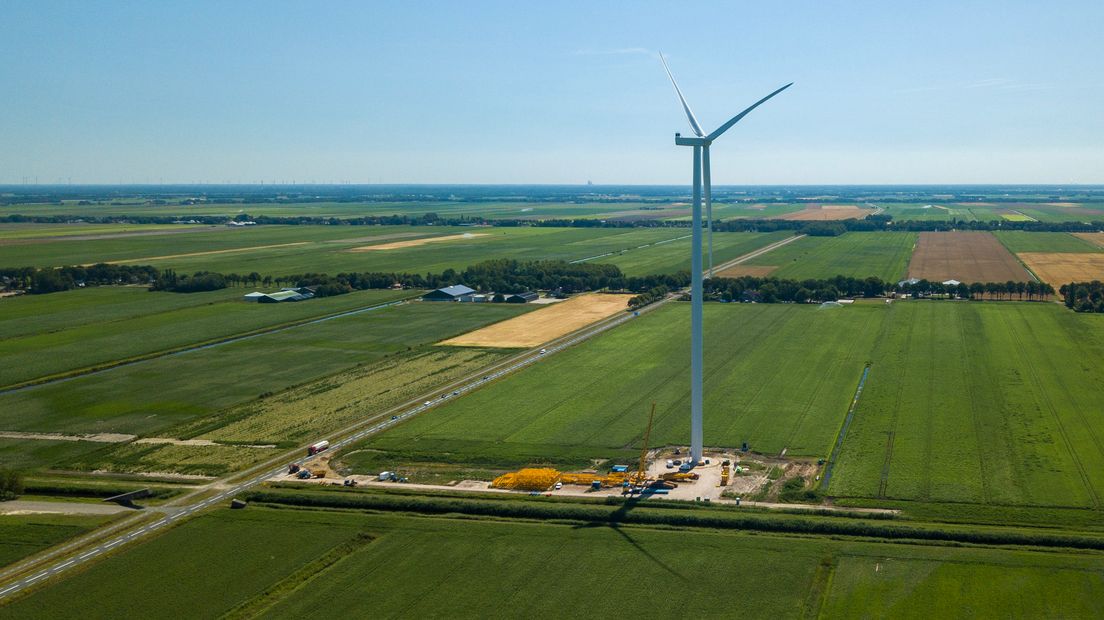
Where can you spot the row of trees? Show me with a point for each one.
(775, 290)
(1084, 296)
(502, 276)
(649, 296)
(39, 280)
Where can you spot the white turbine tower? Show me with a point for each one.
(701, 144)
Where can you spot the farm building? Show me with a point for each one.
(287, 294)
(449, 293)
(951, 283)
(522, 298)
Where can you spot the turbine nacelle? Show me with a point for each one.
(694, 141)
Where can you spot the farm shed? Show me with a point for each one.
(272, 298)
(951, 283)
(449, 293)
(254, 296)
(522, 298)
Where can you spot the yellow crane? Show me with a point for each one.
(641, 469)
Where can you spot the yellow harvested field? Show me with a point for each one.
(1093, 238)
(757, 271)
(411, 243)
(548, 323)
(1058, 268)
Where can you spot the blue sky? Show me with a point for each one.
(514, 92)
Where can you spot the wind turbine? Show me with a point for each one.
(701, 143)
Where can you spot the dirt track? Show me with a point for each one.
(1057, 268)
(548, 323)
(736, 271)
(966, 256)
(398, 245)
(207, 253)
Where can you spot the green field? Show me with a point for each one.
(151, 396)
(779, 376)
(380, 565)
(25, 535)
(51, 352)
(857, 254)
(1019, 241)
(989, 403)
(286, 250)
(1002, 211)
(47, 231)
(675, 255)
(981, 403)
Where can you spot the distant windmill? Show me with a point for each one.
(701, 143)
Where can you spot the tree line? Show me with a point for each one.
(38, 280)
(1084, 296)
(502, 276)
(776, 290)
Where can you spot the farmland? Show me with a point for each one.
(389, 565)
(974, 398)
(1018, 241)
(284, 250)
(154, 395)
(550, 322)
(859, 255)
(1058, 268)
(980, 403)
(24, 535)
(763, 383)
(108, 337)
(964, 256)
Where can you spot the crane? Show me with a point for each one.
(641, 471)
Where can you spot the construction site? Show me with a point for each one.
(729, 476)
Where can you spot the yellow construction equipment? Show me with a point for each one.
(531, 479)
(724, 475)
(641, 475)
(678, 476)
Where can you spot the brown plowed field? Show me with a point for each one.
(1057, 269)
(965, 256)
(736, 271)
(820, 213)
(548, 323)
(1093, 238)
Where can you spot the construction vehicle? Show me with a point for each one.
(680, 476)
(349, 482)
(724, 475)
(303, 474)
(293, 468)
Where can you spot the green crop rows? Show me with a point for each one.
(859, 255)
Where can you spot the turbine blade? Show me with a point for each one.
(735, 119)
(685, 106)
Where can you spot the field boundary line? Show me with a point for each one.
(194, 346)
(834, 456)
